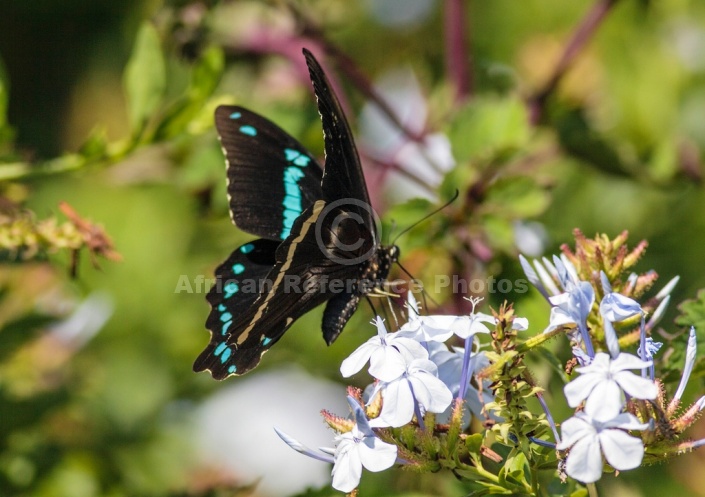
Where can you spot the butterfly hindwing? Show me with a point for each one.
(239, 281)
(271, 177)
(298, 282)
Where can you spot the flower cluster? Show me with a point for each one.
(621, 418)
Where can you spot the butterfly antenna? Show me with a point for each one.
(435, 211)
(389, 233)
(369, 301)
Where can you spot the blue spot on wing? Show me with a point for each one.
(292, 199)
(220, 348)
(238, 268)
(247, 248)
(230, 289)
(226, 327)
(296, 157)
(266, 341)
(226, 316)
(235, 115)
(291, 154)
(226, 355)
(232, 369)
(248, 130)
(292, 203)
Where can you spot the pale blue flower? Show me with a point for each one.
(416, 391)
(355, 449)
(690, 353)
(450, 367)
(589, 439)
(651, 349)
(384, 351)
(616, 307)
(359, 448)
(605, 381)
(302, 449)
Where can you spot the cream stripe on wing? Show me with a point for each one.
(317, 208)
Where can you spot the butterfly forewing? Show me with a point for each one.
(343, 178)
(271, 177)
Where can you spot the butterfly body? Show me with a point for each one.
(318, 235)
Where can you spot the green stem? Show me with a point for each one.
(592, 490)
(20, 170)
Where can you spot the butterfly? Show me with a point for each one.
(319, 241)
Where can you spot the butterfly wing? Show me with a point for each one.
(271, 177)
(239, 281)
(300, 280)
(343, 179)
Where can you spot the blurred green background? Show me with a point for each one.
(108, 106)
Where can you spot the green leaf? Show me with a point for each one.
(6, 132)
(488, 126)
(207, 73)
(193, 110)
(145, 77)
(517, 196)
(473, 443)
(20, 331)
(584, 142)
(693, 312)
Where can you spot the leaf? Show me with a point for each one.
(207, 73)
(693, 312)
(488, 126)
(584, 142)
(20, 331)
(193, 110)
(145, 77)
(517, 196)
(473, 443)
(6, 133)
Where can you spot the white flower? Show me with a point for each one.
(417, 389)
(384, 352)
(616, 307)
(590, 439)
(450, 366)
(690, 352)
(355, 449)
(603, 382)
(359, 448)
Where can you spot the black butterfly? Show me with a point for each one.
(319, 240)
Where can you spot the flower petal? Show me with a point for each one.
(377, 455)
(580, 388)
(621, 450)
(636, 386)
(585, 460)
(605, 401)
(347, 469)
(357, 360)
(397, 405)
(387, 364)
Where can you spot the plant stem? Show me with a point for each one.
(586, 29)
(458, 65)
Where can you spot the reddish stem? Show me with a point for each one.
(457, 57)
(586, 29)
